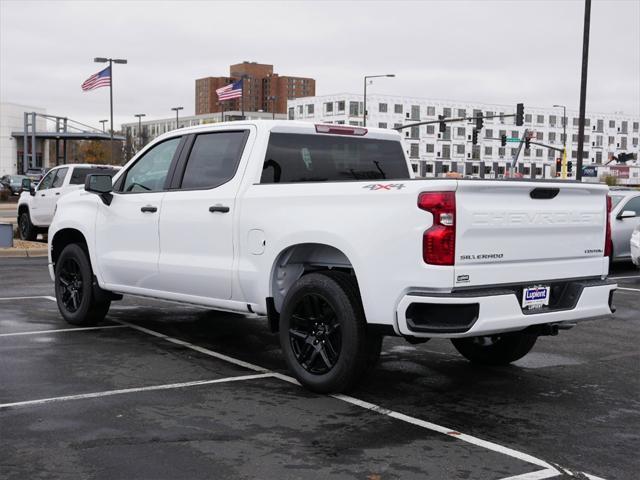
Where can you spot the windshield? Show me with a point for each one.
(293, 157)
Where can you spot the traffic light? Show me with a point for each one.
(520, 115)
(503, 140)
(527, 142)
(442, 126)
(474, 137)
(479, 122)
(569, 167)
(558, 167)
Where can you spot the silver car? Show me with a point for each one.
(625, 216)
(635, 246)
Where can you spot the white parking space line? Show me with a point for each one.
(445, 430)
(629, 289)
(548, 472)
(29, 298)
(203, 350)
(537, 475)
(107, 393)
(62, 330)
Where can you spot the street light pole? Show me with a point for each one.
(140, 115)
(111, 61)
(103, 122)
(272, 99)
(364, 114)
(177, 109)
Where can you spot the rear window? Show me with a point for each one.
(79, 174)
(293, 157)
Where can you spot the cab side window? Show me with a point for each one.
(149, 173)
(213, 159)
(47, 181)
(60, 176)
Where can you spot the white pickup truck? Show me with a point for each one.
(38, 202)
(324, 230)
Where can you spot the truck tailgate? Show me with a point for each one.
(514, 232)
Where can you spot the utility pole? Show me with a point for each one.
(583, 87)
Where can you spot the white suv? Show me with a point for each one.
(37, 205)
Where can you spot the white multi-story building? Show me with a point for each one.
(150, 129)
(434, 154)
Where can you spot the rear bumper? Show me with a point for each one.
(488, 311)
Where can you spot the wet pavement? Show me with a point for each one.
(162, 390)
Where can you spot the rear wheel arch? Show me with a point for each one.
(297, 260)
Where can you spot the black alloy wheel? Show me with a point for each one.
(70, 285)
(315, 334)
(26, 228)
(323, 332)
(75, 295)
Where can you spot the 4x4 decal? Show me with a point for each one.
(385, 186)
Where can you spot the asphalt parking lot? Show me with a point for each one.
(168, 391)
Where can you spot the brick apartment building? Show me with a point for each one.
(260, 84)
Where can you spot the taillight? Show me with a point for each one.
(608, 245)
(439, 242)
(341, 130)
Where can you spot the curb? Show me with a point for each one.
(23, 252)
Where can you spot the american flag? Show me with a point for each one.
(231, 91)
(100, 79)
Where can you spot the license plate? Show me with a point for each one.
(535, 297)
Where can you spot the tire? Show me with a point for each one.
(323, 332)
(28, 231)
(495, 349)
(74, 288)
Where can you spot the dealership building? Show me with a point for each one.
(12, 145)
(433, 153)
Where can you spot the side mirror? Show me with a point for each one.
(626, 214)
(26, 184)
(101, 185)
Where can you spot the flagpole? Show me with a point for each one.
(111, 103)
(242, 97)
(111, 61)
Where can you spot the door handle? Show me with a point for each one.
(57, 193)
(149, 208)
(219, 208)
(42, 195)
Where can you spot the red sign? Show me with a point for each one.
(620, 171)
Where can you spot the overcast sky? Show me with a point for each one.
(486, 51)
